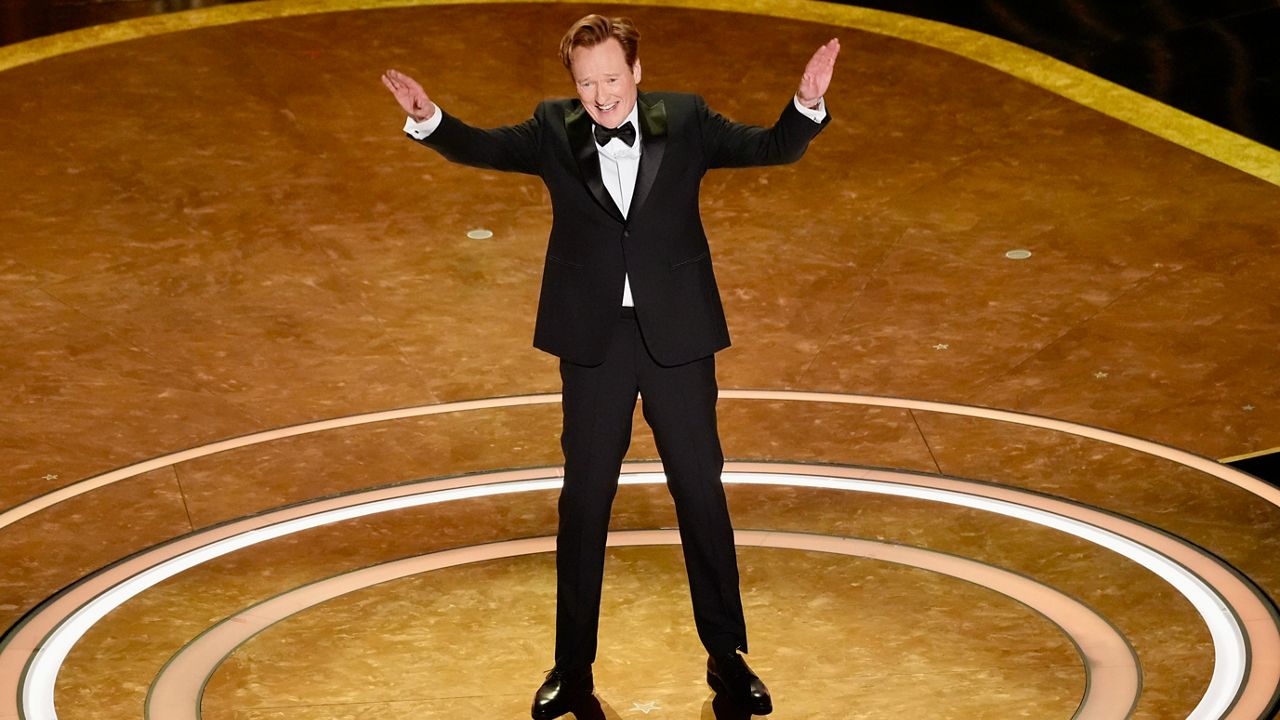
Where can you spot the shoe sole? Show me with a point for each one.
(549, 715)
(716, 684)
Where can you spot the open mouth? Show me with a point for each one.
(606, 108)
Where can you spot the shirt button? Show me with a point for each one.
(626, 233)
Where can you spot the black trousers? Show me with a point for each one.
(679, 404)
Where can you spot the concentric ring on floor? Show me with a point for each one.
(1111, 667)
(1241, 622)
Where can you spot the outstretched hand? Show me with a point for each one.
(817, 74)
(409, 94)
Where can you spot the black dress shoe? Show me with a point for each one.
(561, 692)
(729, 675)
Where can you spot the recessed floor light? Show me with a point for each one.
(480, 234)
(1018, 254)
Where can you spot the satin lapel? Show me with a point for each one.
(577, 124)
(653, 135)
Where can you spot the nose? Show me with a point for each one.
(600, 95)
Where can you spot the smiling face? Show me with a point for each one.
(605, 83)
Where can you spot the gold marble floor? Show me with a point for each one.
(276, 447)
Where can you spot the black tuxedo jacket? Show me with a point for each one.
(660, 245)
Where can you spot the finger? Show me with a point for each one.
(818, 66)
(829, 51)
(821, 58)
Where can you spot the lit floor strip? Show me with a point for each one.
(1182, 457)
(1110, 666)
(1239, 620)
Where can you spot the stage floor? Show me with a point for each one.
(276, 445)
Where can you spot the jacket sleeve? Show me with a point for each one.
(731, 144)
(513, 148)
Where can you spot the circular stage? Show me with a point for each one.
(280, 449)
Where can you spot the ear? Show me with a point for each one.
(635, 71)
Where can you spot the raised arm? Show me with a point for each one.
(731, 144)
(512, 149)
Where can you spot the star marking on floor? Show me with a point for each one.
(645, 707)
(50, 476)
(1248, 408)
(1101, 375)
(941, 346)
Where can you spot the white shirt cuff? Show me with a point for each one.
(419, 130)
(817, 114)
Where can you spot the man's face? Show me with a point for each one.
(605, 84)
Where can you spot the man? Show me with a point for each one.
(629, 304)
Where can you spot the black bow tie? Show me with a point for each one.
(626, 132)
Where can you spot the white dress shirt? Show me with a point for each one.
(619, 162)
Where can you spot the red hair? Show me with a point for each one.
(595, 29)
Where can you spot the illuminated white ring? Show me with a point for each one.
(1197, 462)
(1111, 671)
(1229, 695)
